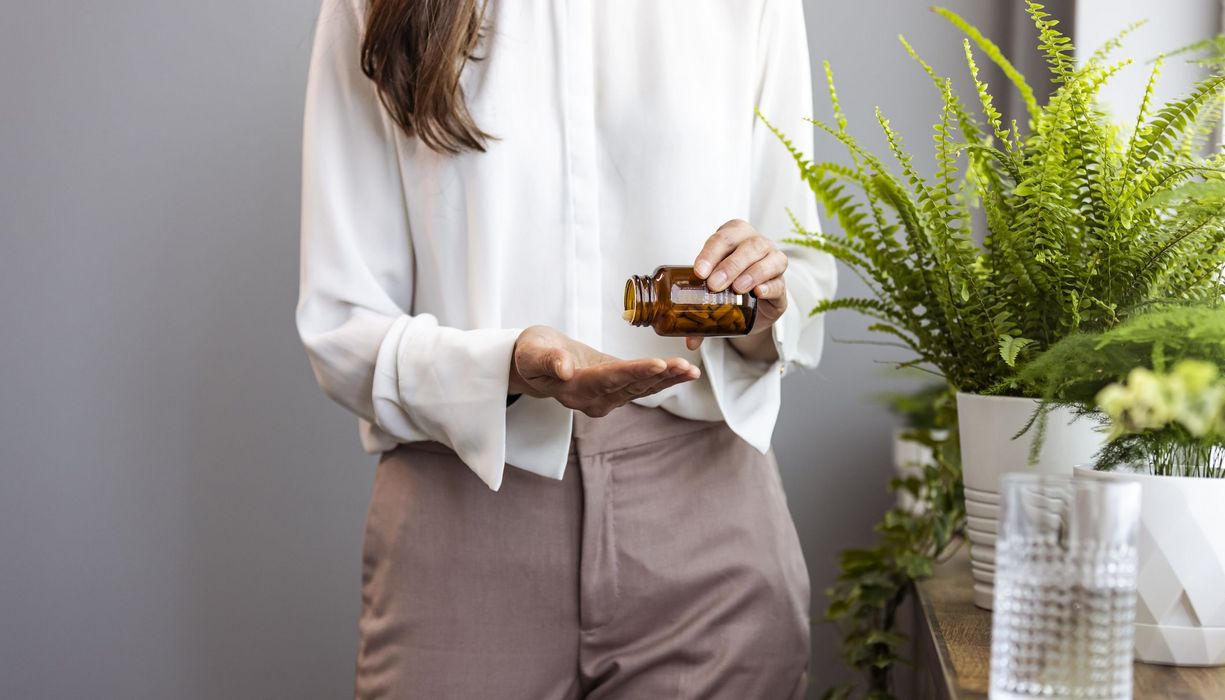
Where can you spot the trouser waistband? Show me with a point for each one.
(630, 425)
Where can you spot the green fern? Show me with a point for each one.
(1085, 222)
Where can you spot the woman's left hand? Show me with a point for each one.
(739, 257)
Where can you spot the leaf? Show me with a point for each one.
(1010, 347)
(996, 55)
(1200, 191)
(892, 639)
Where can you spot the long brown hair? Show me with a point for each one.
(415, 51)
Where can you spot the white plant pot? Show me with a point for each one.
(988, 425)
(1180, 588)
(909, 459)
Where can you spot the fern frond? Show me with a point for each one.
(1010, 347)
(1201, 191)
(1146, 106)
(873, 308)
(1006, 160)
(1114, 43)
(1160, 134)
(889, 253)
(985, 99)
(993, 52)
(969, 128)
(1052, 43)
(839, 115)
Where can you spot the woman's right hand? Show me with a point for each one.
(547, 363)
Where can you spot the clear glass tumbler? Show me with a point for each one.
(1065, 588)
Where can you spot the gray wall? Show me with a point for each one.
(180, 507)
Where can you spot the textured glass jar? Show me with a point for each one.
(676, 302)
(1065, 589)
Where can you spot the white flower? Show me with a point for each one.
(1195, 375)
(1151, 409)
(1191, 394)
(1201, 397)
(1115, 400)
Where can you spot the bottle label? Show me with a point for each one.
(702, 295)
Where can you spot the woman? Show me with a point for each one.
(479, 181)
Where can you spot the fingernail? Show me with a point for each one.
(702, 268)
(744, 284)
(716, 280)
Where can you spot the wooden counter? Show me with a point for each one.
(953, 647)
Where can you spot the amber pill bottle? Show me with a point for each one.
(676, 302)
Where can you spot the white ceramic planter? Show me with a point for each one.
(1180, 589)
(988, 425)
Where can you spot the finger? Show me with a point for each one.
(595, 402)
(772, 290)
(668, 384)
(562, 365)
(764, 270)
(599, 395)
(742, 258)
(675, 367)
(719, 245)
(685, 367)
(693, 343)
(613, 376)
(653, 386)
(636, 388)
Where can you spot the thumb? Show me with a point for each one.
(558, 364)
(693, 343)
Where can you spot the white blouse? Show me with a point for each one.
(625, 136)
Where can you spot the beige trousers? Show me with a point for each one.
(664, 565)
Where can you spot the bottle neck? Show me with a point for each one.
(641, 304)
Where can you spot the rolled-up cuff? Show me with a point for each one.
(449, 386)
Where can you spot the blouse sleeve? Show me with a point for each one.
(405, 375)
(749, 392)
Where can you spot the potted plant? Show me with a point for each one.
(1085, 222)
(923, 423)
(1156, 380)
(873, 582)
(1167, 432)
